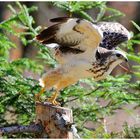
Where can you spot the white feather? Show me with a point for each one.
(52, 45)
(120, 52)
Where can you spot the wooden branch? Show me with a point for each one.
(84, 95)
(33, 128)
(56, 120)
(51, 122)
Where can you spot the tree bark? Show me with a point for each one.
(33, 128)
(56, 120)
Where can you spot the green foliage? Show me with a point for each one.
(114, 90)
(18, 92)
(132, 55)
(136, 25)
(80, 8)
(131, 131)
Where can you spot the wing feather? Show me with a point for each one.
(60, 19)
(71, 32)
(48, 34)
(113, 34)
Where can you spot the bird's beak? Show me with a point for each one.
(126, 59)
(127, 63)
(127, 68)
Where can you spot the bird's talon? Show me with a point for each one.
(37, 98)
(52, 101)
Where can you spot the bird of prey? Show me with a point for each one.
(83, 50)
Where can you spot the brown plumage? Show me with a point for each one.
(78, 53)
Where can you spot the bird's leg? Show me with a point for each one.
(63, 82)
(52, 99)
(37, 96)
(48, 80)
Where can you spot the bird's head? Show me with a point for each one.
(106, 56)
(117, 57)
(106, 61)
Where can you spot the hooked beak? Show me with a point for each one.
(126, 60)
(127, 69)
(123, 56)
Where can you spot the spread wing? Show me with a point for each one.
(73, 33)
(113, 34)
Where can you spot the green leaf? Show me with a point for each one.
(135, 41)
(114, 14)
(86, 16)
(101, 13)
(136, 25)
(134, 58)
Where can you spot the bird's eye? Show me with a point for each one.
(78, 21)
(118, 55)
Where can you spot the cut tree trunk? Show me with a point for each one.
(56, 120)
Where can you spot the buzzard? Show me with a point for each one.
(82, 49)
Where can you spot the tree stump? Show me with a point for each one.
(56, 120)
